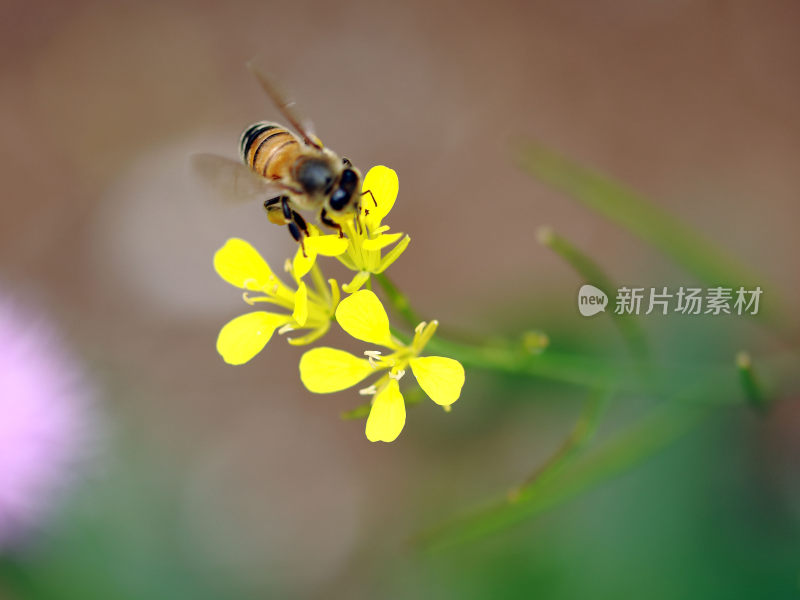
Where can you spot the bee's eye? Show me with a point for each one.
(340, 198)
(344, 191)
(348, 179)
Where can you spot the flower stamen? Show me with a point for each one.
(374, 357)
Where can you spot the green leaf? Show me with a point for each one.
(634, 213)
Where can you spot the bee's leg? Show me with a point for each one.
(326, 220)
(371, 196)
(287, 210)
(298, 236)
(346, 161)
(274, 212)
(300, 222)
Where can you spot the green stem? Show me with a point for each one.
(750, 384)
(592, 273)
(582, 433)
(399, 300)
(687, 407)
(634, 213)
(650, 223)
(662, 426)
(586, 371)
(581, 370)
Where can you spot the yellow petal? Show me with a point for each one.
(315, 244)
(388, 414)
(335, 293)
(362, 315)
(302, 263)
(300, 314)
(328, 245)
(393, 254)
(242, 338)
(324, 370)
(355, 284)
(238, 263)
(310, 337)
(382, 182)
(381, 241)
(441, 378)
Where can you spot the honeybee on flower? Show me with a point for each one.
(366, 236)
(312, 307)
(288, 170)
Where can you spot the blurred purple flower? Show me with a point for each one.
(44, 422)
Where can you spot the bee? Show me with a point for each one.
(292, 169)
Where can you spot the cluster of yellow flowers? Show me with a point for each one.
(311, 308)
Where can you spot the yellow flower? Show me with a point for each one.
(313, 245)
(367, 237)
(238, 263)
(325, 370)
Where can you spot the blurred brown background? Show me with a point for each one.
(692, 103)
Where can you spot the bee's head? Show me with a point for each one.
(345, 197)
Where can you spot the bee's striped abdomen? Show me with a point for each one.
(269, 149)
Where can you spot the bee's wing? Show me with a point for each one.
(284, 105)
(311, 131)
(233, 180)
